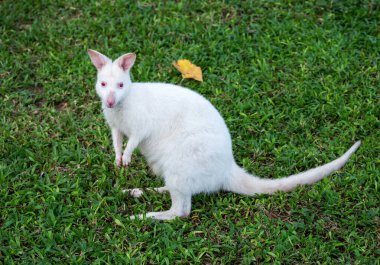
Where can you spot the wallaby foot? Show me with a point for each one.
(136, 192)
(181, 206)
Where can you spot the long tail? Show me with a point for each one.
(244, 183)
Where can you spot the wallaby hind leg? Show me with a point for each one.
(181, 206)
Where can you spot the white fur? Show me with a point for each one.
(183, 138)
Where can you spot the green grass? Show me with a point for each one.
(296, 81)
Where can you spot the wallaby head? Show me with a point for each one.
(113, 82)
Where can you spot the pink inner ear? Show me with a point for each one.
(126, 61)
(97, 59)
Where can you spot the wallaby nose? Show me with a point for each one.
(110, 102)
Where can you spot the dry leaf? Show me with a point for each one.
(189, 70)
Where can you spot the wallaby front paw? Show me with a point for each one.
(118, 161)
(126, 160)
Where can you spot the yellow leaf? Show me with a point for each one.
(188, 70)
(119, 223)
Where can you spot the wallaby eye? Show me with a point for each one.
(103, 84)
(120, 85)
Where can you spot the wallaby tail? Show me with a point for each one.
(244, 183)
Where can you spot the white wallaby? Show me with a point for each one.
(183, 138)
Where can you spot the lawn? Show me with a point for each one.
(296, 81)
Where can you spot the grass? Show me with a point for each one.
(296, 81)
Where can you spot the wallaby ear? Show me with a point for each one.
(126, 61)
(98, 59)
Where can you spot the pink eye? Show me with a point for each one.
(103, 84)
(120, 85)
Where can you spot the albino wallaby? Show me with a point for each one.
(183, 138)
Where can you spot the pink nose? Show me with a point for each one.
(110, 101)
